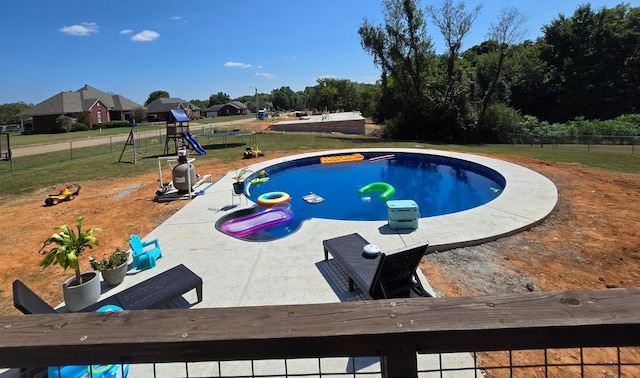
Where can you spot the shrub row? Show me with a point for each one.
(112, 125)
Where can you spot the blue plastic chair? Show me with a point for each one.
(144, 253)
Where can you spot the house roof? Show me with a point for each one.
(79, 101)
(236, 104)
(165, 104)
(214, 108)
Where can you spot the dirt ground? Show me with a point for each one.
(590, 242)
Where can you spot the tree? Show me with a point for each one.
(454, 24)
(9, 112)
(156, 95)
(139, 114)
(335, 94)
(506, 32)
(369, 96)
(202, 104)
(219, 98)
(527, 79)
(64, 123)
(594, 61)
(404, 52)
(285, 98)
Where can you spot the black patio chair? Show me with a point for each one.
(387, 275)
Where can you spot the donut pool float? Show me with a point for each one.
(272, 199)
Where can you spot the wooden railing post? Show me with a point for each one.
(401, 365)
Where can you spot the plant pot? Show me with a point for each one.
(77, 297)
(238, 187)
(114, 277)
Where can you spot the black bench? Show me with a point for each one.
(153, 293)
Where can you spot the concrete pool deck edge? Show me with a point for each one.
(527, 200)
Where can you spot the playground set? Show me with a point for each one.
(177, 130)
(5, 154)
(184, 183)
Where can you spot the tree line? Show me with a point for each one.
(583, 72)
(585, 67)
(328, 94)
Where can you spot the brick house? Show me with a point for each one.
(230, 108)
(87, 103)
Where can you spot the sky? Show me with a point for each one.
(195, 48)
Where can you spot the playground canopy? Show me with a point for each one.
(179, 115)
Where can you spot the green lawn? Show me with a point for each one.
(17, 140)
(57, 168)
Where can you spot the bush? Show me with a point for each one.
(112, 125)
(501, 121)
(120, 124)
(63, 124)
(79, 126)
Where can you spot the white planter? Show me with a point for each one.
(80, 296)
(113, 277)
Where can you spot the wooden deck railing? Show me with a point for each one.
(392, 329)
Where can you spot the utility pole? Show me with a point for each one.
(257, 108)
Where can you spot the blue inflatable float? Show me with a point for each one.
(95, 371)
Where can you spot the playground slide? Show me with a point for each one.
(194, 144)
(243, 226)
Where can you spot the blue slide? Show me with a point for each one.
(194, 143)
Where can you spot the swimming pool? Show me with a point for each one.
(438, 184)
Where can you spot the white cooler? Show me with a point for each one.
(403, 214)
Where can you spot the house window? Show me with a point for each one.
(99, 116)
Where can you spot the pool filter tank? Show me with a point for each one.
(184, 174)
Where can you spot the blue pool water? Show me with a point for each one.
(439, 185)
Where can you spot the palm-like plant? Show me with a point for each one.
(69, 247)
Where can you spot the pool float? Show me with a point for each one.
(387, 190)
(341, 159)
(383, 157)
(312, 198)
(257, 180)
(247, 225)
(98, 371)
(271, 199)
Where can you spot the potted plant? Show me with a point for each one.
(238, 185)
(83, 289)
(113, 267)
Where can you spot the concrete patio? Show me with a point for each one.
(292, 270)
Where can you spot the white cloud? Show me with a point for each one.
(265, 75)
(176, 18)
(82, 30)
(145, 36)
(236, 64)
(126, 31)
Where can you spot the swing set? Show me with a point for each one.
(5, 152)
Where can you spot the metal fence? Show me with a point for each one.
(624, 142)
